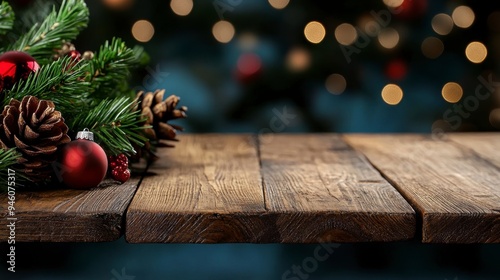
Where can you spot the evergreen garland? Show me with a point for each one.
(91, 93)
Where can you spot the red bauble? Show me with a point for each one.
(83, 164)
(15, 66)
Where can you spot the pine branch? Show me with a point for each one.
(34, 14)
(43, 39)
(8, 158)
(59, 81)
(115, 124)
(110, 68)
(7, 18)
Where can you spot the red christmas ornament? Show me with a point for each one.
(83, 162)
(119, 168)
(15, 66)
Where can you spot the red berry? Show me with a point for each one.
(75, 55)
(121, 176)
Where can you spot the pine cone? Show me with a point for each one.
(36, 129)
(157, 112)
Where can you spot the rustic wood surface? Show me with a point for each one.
(316, 189)
(322, 190)
(206, 190)
(453, 183)
(65, 215)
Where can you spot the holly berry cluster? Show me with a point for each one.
(118, 166)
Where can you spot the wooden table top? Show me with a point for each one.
(290, 188)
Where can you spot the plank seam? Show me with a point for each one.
(263, 183)
(125, 214)
(418, 214)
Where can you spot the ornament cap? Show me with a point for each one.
(85, 134)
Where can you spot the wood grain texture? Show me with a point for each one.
(320, 190)
(455, 189)
(66, 215)
(206, 190)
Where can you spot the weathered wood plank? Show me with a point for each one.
(320, 190)
(455, 189)
(206, 190)
(66, 215)
(486, 145)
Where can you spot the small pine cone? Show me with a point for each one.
(157, 112)
(36, 129)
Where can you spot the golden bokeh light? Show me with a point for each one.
(368, 25)
(181, 7)
(442, 24)
(315, 32)
(388, 38)
(223, 31)
(463, 16)
(452, 92)
(392, 94)
(432, 47)
(119, 4)
(495, 118)
(346, 34)
(143, 31)
(393, 3)
(279, 4)
(298, 59)
(335, 84)
(476, 52)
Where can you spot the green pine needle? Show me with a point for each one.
(43, 39)
(8, 158)
(115, 124)
(7, 18)
(109, 70)
(59, 81)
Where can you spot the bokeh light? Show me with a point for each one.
(118, 4)
(392, 94)
(181, 7)
(388, 38)
(452, 92)
(223, 31)
(279, 4)
(368, 25)
(476, 52)
(393, 3)
(143, 31)
(442, 24)
(249, 64)
(298, 59)
(335, 84)
(463, 16)
(432, 47)
(346, 34)
(494, 118)
(315, 32)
